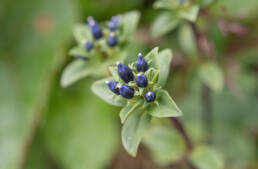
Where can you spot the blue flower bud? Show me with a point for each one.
(112, 85)
(141, 64)
(126, 91)
(88, 45)
(182, 1)
(113, 23)
(150, 96)
(141, 80)
(125, 73)
(95, 28)
(112, 40)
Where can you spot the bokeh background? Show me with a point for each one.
(43, 126)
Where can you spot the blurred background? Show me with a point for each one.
(43, 126)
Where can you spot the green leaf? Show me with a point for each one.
(31, 55)
(80, 129)
(100, 88)
(165, 144)
(163, 60)
(130, 21)
(189, 13)
(205, 157)
(130, 107)
(75, 71)
(78, 51)
(211, 75)
(187, 40)
(166, 4)
(163, 24)
(151, 56)
(81, 33)
(166, 107)
(134, 129)
(113, 70)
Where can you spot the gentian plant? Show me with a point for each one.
(137, 88)
(98, 45)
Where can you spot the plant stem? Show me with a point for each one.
(189, 145)
(207, 112)
(180, 128)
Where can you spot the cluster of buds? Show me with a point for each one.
(128, 88)
(97, 32)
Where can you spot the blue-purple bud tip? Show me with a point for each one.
(141, 81)
(95, 28)
(112, 85)
(126, 91)
(88, 45)
(124, 72)
(150, 96)
(141, 64)
(112, 40)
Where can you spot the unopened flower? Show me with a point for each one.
(126, 91)
(141, 80)
(125, 73)
(141, 64)
(150, 96)
(88, 45)
(95, 28)
(112, 40)
(113, 23)
(112, 85)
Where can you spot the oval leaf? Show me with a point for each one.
(211, 75)
(205, 157)
(163, 24)
(129, 22)
(165, 107)
(131, 106)
(81, 33)
(133, 131)
(163, 61)
(100, 88)
(75, 71)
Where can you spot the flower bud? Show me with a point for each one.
(141, 64)
(95, 28)
(126, 91)
(113, 23)
(141, 81)
(88, 45)
(150, 96)
(112, 40)
(125, 73)
(112, 85)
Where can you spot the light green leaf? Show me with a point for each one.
(187, 40)
(151, 56)
(81, 33)
(113, 70)
(130, 107)
(166, 107)
(100, 88)
(205, 157)
(165, 144)
(78, 51)
(163, 60)
(189, 13)
(211, 75)
(134, 129)
(163, 24)
(130, 21)
(75, 71)
(166, 4)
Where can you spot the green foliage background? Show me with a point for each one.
(43, 126)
